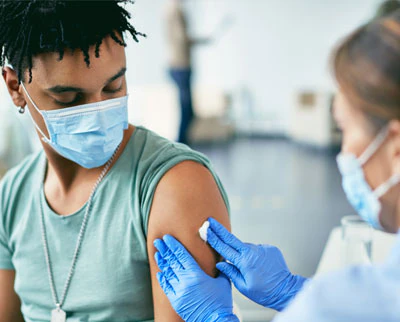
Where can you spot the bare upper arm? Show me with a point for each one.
(10, 305)
(185, 197)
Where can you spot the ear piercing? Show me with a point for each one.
(21, 110)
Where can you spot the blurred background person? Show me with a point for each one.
(180, 45)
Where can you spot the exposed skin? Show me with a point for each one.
(67, 185)
(358, 133)
(186, 195)
(181, 212)
(9, 300)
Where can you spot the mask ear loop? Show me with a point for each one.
(374, 146)
(44, 138)
(369, 152)
(385, 187)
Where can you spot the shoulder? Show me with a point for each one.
(16, 185)
(173, 175)
(21, 174)
(186, 181)
(358, 293)
(156, 153)
(187, 195)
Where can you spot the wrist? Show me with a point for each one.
(295, 289)
(283, 294)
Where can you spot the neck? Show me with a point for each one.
(63, 174)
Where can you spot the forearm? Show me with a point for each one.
(10, 303)
(12, 316)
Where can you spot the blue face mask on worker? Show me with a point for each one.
(86, 134)
(360, 195)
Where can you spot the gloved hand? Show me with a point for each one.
(258, 271)
(194, 295)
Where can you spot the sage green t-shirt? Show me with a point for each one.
(112, 276)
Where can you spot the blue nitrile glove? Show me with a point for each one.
(258, 271)
(194, 295)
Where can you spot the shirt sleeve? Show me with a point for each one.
(5, 251)
(302, 308)
(5, 255)
(164, 161)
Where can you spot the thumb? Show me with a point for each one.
(231, 272)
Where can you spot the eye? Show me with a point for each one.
(69, 103)
(112, 91)
(114, 87)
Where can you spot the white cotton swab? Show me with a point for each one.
(203, 231)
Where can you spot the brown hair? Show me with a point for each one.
(386, 8)
(367, 68)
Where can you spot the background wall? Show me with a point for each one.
(273, 49)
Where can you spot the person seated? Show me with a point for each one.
(78, 218)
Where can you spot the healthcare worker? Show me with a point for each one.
(367, 109)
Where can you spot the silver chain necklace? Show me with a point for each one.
(58, 315)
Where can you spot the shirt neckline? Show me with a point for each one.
(42, 198)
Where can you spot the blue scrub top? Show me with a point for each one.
(362, 293)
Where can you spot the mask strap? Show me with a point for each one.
(374, 146)
(37, 109)
(385, 187)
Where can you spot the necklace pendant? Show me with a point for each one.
(58, 315)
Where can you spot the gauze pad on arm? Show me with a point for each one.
(203, 231)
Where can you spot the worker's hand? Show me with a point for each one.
(194, 295)
(258, 271)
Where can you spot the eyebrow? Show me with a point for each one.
(116, 76)
(59, 89)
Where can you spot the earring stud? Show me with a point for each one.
(21, 110)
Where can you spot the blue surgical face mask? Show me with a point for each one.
(87, 134)
(360, 195)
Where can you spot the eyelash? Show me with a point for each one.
(79, 96)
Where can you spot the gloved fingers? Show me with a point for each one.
(166, 253)
(178, 284)
(225, 235)
(225, 250)
(225, 284)
(182, 256)
(224, 276)
(165, 267)
(231, 272)
(161, 247)
(165, 284)
(161, 262)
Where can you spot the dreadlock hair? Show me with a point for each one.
(29, 28)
